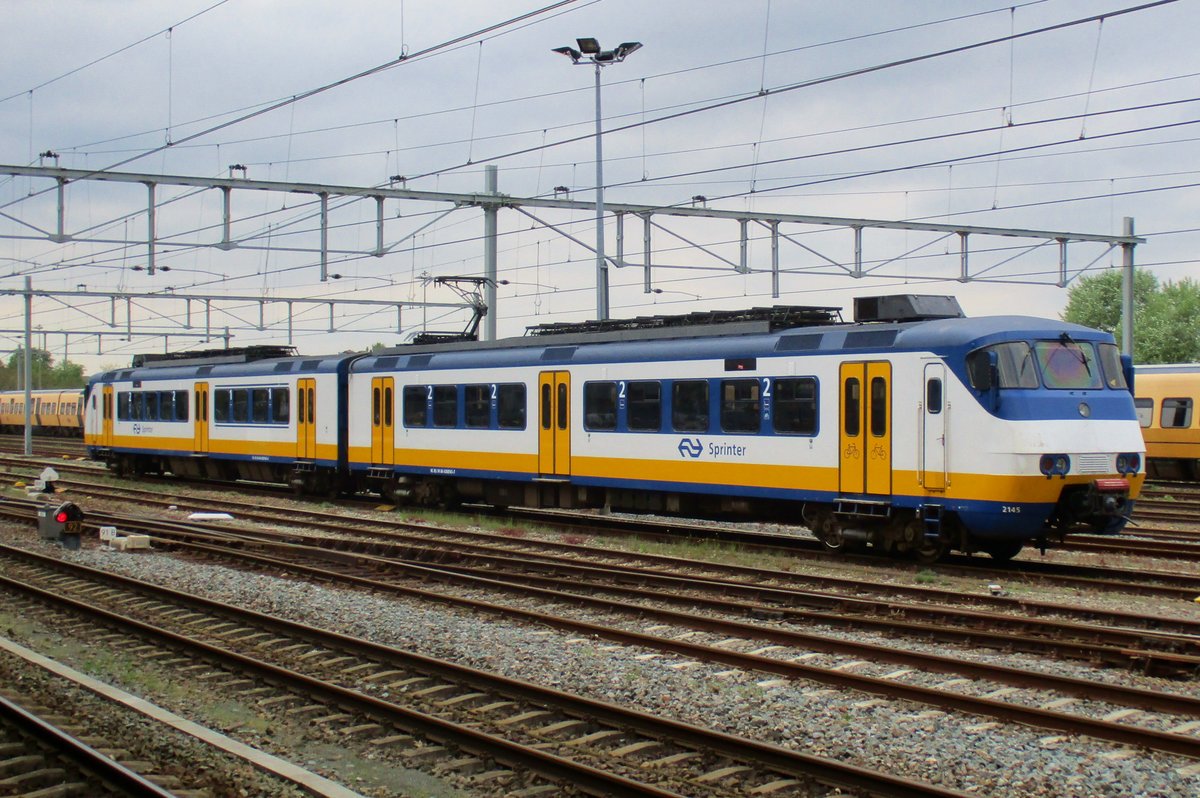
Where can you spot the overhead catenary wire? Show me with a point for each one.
(820, 81)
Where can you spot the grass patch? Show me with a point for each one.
(926, 577)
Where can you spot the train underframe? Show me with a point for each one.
(927, 532)
(1186, 469)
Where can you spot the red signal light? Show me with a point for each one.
(62, 517)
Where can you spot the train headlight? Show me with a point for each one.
(1129, 463)
(1054, 464)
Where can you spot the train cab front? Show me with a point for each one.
(1059, 401)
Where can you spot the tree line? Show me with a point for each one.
(1166, 315)
(44, 374)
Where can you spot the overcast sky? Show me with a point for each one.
(1067, 130)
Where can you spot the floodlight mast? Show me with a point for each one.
(590, 52)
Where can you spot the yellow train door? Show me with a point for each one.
(200, 444)
(383, 434)
(852, 462)
(554, 423)
(879, 428)
(106, 416)
(865, 435)
(306, 427)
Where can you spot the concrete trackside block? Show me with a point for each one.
(131, 542)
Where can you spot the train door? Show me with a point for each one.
(554, 423)
(383, 405)
(200, 445)
(933, 428)
(865, 435)
(306, 419)
(106, 416)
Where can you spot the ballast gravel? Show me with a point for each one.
(969, 753)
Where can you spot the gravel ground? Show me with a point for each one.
(964, 752)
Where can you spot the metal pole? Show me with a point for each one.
(490, 212)
(1127, 291)
(601, 265)
(28, 367)
(150, 232)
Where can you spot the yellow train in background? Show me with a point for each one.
(1165, 398)
(56, 411)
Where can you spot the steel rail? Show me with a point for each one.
(1117, 732)
(88, 759)
(419, 534)
(557, 768)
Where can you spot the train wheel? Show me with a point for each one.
(1004, 550)
(833, 537)
(930, 551)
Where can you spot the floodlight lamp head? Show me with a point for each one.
(626, 49)
(569, 52)
(589, 46)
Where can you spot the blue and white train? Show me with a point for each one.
(912, 430)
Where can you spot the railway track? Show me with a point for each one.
(39, 756)
(348, 567)
(434, 710)
(1150, 643)
(1139, 579)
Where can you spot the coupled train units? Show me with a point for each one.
(1166, 401)
(56, 411)
(912, 429)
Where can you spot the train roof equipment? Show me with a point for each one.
(244, 354)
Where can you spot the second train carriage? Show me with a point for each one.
(921, 431)
(1166, 401)
(56, 411)
(251, 414)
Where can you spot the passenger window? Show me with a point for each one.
(933, 396)
(445, 406)
(546, 405)
(510, 410)
(1176, 413)
(740, 406)
(280, 405)
(261, 402)
(851, 402)
(181, 405)
(222, 402)
(689, 406)
(1145, 411)
(389, 402)
(241, 405)
(645, 406)
(414, 406)
(166, 405)
(478, 406)
(600, 405)
(150, 409)
(376, 402)
(879, 407)
(796, 406)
